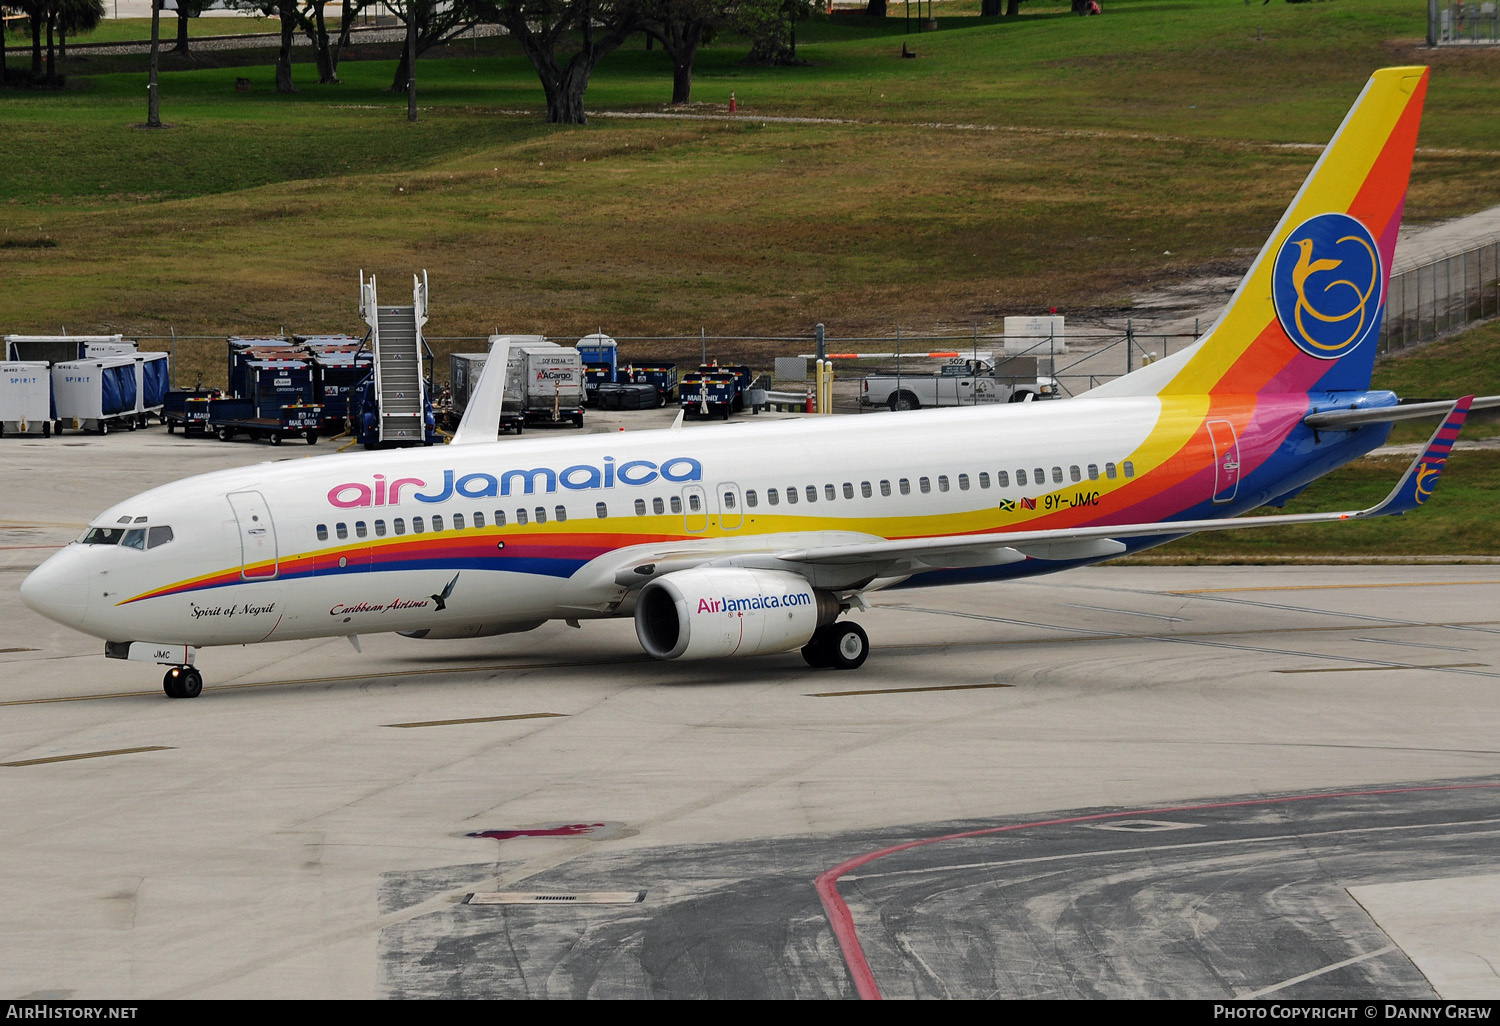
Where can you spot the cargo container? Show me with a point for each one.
(92, 395)
(65, 348)
(25, 398)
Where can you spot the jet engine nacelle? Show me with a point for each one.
(713, 612)
(472, 630)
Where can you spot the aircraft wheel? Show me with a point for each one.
(817, 652)
(182, 682)
(848, 646)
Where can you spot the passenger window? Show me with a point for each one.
(772, 497)
(158, 536)
(693, 504)
(729, 500)
(601, 510)
(322, 532)
(865, 489)
(478, 519)
(676, 504)
(380, 528)
(541, 514)
(342, 530)
(1002, 479)
(1093, 471)
(1075, 473)
(942, 482)
(560, 512)
(905, 486)
(521, 517)
(458, 521)
(1129, 468)
(963, 482)
(1041, 476)
(984, 479)
(1021, 478)
(657, 506)
(812, 493)
(399, 525)
(848, 490)
(360, 530)
(1109, 471)
(924, 484)
(437, 522)
(1057, 475)
(791, 496)
(500, 517)
(885, 488)
(829, 493)
(416, 526)
(640, 507)
(750, 499)
(135, 538)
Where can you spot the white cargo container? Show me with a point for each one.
(90, 395)
(25, 398)
(64, 348)
(153, 379)
(551, 383)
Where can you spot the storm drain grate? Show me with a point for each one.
(555, 898)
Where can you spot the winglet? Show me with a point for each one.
(481, 419)
(1417, 484)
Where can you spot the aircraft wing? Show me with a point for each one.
(904, 556)
(1414, 411)
(481, 419)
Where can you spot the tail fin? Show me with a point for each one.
(1307, 314)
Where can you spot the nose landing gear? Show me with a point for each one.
(182, 682)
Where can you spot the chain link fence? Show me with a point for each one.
(1426, 302)
(1454, 22)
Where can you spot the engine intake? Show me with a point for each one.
(712, 613)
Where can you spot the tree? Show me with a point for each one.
(77, 17)
(771, 26)
(547, 30)
(186, 9)
(681, 26)
(437, 21)
(286, 10)
(153, 99)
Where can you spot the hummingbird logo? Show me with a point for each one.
(441, 598)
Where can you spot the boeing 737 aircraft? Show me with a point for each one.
(741, 542)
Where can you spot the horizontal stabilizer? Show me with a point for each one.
(1340, 419)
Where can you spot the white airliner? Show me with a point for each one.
(754, 540)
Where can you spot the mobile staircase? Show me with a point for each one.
(397, 344)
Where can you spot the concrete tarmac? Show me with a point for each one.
(1190, 782)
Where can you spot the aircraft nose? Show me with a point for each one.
(58, 589)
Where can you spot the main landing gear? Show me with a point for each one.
(182, 682)
(840, 646)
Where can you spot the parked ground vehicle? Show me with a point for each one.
(960, 382)
(711, 391)
(269, 420)
(662, 375)
(188, 409)
(546, 382)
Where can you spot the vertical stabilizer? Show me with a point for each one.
(1307, 314)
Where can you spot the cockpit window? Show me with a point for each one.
(135, 538)
(158, 536)
(102, 536)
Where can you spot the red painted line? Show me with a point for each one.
(841, 920)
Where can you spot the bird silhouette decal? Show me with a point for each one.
(1358, 298)
(442, 597)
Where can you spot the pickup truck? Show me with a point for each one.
(961, 382)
